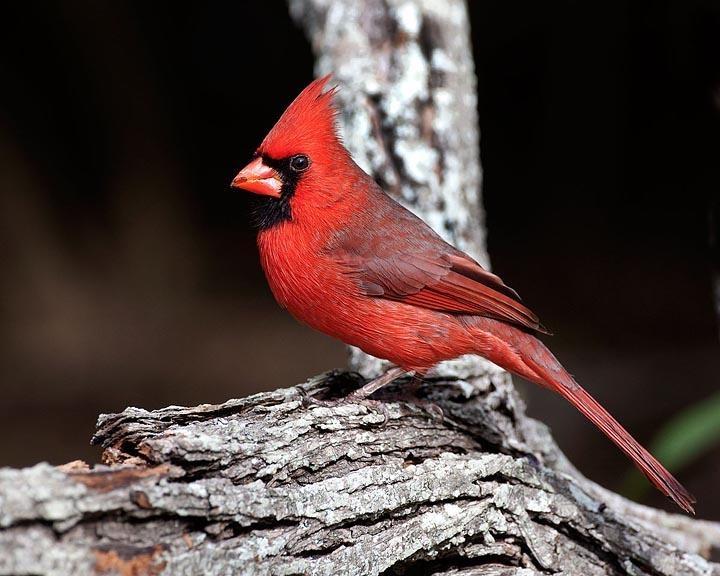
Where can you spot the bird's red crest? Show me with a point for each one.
(306, 125)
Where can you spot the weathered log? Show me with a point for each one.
(263, 485)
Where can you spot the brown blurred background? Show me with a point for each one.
(129, 271)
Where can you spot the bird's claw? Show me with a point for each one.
(352, 398)
(433, 410)
(304, 397)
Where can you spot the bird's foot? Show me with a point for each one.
(353, 398)
(433, 410)
(410, 395)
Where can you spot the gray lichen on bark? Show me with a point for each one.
(262, 485)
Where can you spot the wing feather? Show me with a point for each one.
(390, 253)
(446, 283)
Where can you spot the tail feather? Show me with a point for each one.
(552, 375)
(655, 472)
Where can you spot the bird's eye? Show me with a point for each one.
(299, 163)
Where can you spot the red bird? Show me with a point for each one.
(345, 258)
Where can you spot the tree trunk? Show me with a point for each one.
(263, 485)
(409, 115)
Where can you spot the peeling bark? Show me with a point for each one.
(263, 485)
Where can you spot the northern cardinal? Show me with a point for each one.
(345, 258)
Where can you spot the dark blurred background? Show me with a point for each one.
(129, 269)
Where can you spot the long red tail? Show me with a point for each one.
(551, 374)
(655, 472)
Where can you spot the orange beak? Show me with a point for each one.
(258, 178)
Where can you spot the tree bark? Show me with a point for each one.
(263, 485)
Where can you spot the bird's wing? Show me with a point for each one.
(410, 263)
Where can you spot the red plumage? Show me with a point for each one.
(346, 259)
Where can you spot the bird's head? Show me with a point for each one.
(300, 159)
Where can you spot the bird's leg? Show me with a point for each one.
(411, 390)
(377, 383)
(361, 395)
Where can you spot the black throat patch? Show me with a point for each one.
(268, 211)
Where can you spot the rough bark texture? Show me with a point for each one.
(263, 485)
